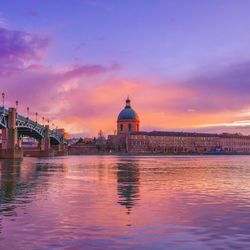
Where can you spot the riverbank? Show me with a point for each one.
(157, 154)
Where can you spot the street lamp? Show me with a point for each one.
(36, 116)
(3, 96)
(28, 111)
(16, 105)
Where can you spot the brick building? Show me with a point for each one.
(130, 139)
(181, 142)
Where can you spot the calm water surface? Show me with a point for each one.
(110, 202)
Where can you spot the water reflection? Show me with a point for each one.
(19, 183)
(128, 177)
(10, 173)
(88, 202)
(50, 167)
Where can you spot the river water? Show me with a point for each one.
(112, 202)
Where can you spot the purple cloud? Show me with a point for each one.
(217, 90)
(19, 48)
(88, 70)
(49, 90)
(87, 91)
(40, 86)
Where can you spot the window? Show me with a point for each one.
(121, 127)
(129, 127)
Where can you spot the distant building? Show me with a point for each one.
(29, 142)
(72, 141)
(129, 138)
(181, 142)
(89, 145)
(62, 132)
(85, 140)
(82, 145)
(128, 120)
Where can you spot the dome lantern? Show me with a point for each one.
(128, 103)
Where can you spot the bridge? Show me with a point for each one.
(15, 126)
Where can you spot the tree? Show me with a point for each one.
(80, 140)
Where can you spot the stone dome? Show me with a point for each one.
(128, 113)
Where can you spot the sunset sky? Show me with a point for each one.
(184, 63)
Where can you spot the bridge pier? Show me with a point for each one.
(14, 126)
(10, 141)
(61, 150)
(44, 144)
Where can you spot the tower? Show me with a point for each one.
(128, 120)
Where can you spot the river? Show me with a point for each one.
(119, 202)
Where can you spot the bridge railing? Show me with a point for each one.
(58, 136)
(53, 133)
(27, 120)
(35, 124)
(3, 110)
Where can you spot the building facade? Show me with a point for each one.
(181, 142)
(128, 120)
(129, 138)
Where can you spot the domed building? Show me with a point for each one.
(130, 139)
(128, 120)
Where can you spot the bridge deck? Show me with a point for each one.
(28, 127)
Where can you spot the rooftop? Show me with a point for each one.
(189, 134)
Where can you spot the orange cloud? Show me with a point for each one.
(88, 97)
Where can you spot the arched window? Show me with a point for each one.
(129, 127)
(121, 127)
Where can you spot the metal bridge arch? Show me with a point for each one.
(3, 118)
(27, 127)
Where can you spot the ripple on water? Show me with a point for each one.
(110, 202)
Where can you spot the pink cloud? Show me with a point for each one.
(17, 48)
(88, 97)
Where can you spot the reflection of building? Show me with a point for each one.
(130, 139)
(128, 184)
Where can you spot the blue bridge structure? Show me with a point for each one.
(15, 126)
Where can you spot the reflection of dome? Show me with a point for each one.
(128, 113)
(128, 177)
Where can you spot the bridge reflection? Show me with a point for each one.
(10, 173)
(20, 182)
